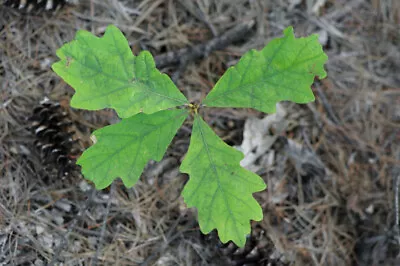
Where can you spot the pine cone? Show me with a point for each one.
(55, 142)
(36, 5)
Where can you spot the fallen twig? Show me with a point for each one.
(184, 55)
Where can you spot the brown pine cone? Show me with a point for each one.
(56, 143)
(35, 6)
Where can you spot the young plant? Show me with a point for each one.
(105, 74)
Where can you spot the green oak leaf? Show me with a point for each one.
(105, 74)
(219, 187)
(282, 70)
(123, 149)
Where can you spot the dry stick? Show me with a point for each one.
(396, 201)
(396, 198)
(199, 14)
(327, 106)
(103, 226)
(169, 239)
(185, 55)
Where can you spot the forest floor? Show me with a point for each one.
(332, 166)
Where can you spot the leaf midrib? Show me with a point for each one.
(264, 79)
(126, 82)
(199, 120)
(131, 140)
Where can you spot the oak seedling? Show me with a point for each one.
(105, 74)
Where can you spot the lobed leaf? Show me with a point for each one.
(219, 187)
(105, 74)
(282, 70)
(123, 149)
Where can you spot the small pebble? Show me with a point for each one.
(39, 229)
(84, 186)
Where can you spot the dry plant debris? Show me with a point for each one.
(333, 168)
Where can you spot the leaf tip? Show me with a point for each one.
(288, 31)
(54, 67)
(112, 27)
(75, 101)
(147, 58)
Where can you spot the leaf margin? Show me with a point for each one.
(238, 156)
(84, 88)
(101, 134)
(209, 100)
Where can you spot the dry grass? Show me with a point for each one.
(331, 196)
